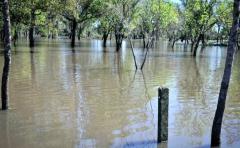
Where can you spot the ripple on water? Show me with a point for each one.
(90, 98)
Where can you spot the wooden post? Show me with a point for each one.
(163, 99)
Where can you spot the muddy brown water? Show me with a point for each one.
(91, 97)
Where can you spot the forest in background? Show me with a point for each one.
(193, 22)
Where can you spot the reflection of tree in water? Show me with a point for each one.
(148, 96)
(81, 108)
(108, 108)
(191, 81)
(32, 63)
(116, 102)
(195, 113)
(106, 103)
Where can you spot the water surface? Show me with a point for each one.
(92, 97)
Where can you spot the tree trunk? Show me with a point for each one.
(134, 57)
(218, 33)
(192, 44)
(1, 35)
(15, 37)
(217, 122)
(31, 29)
(7, 54)
(238, 46)
(203, 40)
(80, 32)
(49, 32)
(119, 38)
(195, 47)
(174, 41)
(144, 41)
(157, 31)
(119, 35)
(110, 36)
(25, 34)
(73, 34)
(105, 36)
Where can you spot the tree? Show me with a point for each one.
(224, 20)
(32, 14)
(143, 21)
(164, 13)
(7, 53)
(232, 43)
(19, 17)
(106, 26)
(199, 18)
(124, 11)
(78, 12)
(35, 8)
(1, 24)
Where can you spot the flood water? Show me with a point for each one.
(91, 97)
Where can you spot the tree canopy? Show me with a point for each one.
(192, 21)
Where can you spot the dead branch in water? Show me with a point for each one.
(149, 45)
(134, 57)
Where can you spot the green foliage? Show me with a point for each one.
(139, 17)
(123, 12)
(199, 16)
(83, 10)
(224, 16)
(152, 15)
(163, 12)
(20, 12)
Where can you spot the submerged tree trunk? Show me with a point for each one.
(149, 45)
(7, 53)
(15, 37)
(218, 32)
(73, 33)
(134, 57)
(157, 31)
(119, 36)
(31, 29)
(192, 44)
(119, 39)
(80, 30)
(217, 122)
(195, 47)
(105, 36)
(110, 36)
(1, 35)
(174, 41)
(144, 41)
(204, 42)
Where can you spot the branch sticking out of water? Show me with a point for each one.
(134, 57)
(149, 45)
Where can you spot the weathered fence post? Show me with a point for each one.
(163, 98)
